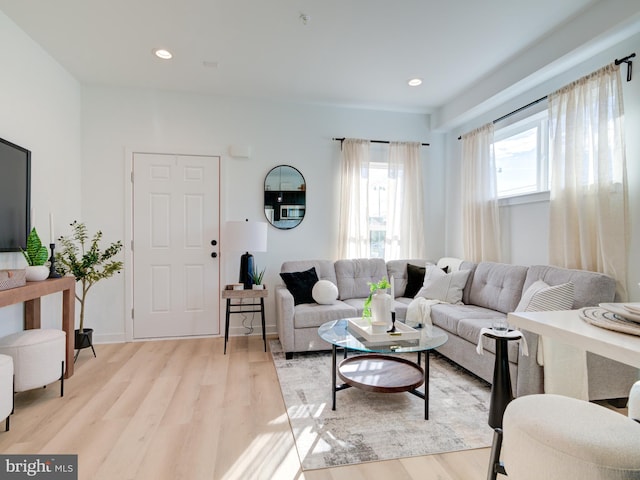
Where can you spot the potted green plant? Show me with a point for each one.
(377, 304)
(36, 256)
(256, 278)
(83, 258)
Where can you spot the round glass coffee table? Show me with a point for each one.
(379, 370)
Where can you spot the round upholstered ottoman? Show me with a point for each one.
(6, 388)
(556, 437)
(38, 357)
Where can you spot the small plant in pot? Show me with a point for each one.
(256, 278)
(36, 256)
(82, 257)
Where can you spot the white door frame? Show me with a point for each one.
(128, 228)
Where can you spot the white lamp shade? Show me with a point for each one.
(243, 236)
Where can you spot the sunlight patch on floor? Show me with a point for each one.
(268, 456)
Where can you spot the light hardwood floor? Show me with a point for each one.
(180, 409)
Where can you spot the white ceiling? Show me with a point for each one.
(350, 52)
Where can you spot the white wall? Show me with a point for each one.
(79, 137)
(525, 226)
(115, 120)
(41, 112)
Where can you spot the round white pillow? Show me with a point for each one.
(324, 292)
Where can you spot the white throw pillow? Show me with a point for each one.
(324, 292)
(446, 287)
(541, 297)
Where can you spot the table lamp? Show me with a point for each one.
(244, 237)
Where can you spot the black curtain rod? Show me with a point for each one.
(629, 63)
(517, 110)
(618, 62)
(373, 141)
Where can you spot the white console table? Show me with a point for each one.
(568, 327)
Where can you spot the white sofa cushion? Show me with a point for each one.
(540, 297)
(324, 292)
(446, 287)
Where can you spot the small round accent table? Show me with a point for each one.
(501, 394)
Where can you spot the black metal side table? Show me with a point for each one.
(233, 308)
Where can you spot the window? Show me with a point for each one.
(379, 187)
(378, 178)
(522, 156)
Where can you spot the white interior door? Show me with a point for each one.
(175, 243)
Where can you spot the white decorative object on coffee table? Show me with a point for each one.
(381, 308)
(362, 327)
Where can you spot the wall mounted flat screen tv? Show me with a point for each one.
(15, 196)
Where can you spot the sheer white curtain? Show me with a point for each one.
(589, 224)
(480, 215)
(353, 231)
(405, 234)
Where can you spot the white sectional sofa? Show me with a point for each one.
(491, 291)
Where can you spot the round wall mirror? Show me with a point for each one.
(284, 197)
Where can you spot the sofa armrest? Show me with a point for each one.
(284, 317)
(530, 375)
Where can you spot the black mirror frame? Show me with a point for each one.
(288, 203)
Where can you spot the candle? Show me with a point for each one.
(393, 295)
(51, 234)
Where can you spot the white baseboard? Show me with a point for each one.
(234, 331)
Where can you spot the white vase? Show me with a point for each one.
(257, 287)
(381, 307)
(36, 273)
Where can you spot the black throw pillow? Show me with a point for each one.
(300, 284)
(415, 280)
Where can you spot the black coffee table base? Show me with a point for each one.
(396, 375)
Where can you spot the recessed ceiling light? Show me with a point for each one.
(414, 82)
(163, 54)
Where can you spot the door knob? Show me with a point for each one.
(214, 254)
(214, 242)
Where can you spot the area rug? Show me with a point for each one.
(373, 426)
